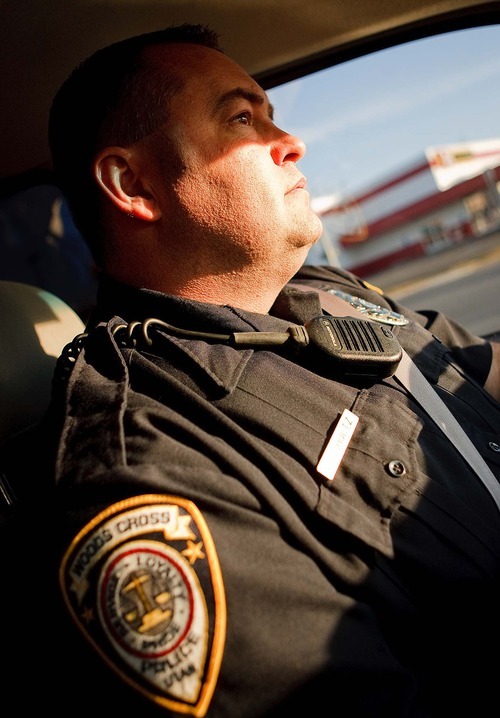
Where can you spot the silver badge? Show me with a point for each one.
(373, 311)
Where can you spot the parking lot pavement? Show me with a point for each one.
(395, 277)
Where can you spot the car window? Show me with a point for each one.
(403, 164)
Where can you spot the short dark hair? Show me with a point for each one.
(112, 98)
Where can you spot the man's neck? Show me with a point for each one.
(231, 290)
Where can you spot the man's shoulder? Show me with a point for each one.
(335, 276)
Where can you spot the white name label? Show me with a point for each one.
(339, 441)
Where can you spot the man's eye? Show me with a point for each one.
(244, 118)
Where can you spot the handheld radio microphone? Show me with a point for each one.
(357, 346)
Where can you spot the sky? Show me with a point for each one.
(365, 119)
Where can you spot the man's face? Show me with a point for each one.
(236, 192)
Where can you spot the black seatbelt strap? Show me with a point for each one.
(412, 379)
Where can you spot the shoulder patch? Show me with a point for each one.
(142, 581)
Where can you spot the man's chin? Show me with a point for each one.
(313, 231)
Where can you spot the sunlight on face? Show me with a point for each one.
(239, 196)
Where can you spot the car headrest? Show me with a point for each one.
(35, 326)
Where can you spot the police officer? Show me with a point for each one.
(250, 522)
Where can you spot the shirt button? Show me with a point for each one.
(396, 468)
(494, 446)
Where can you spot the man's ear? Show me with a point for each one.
(118, 174)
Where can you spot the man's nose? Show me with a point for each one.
(286, 147)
